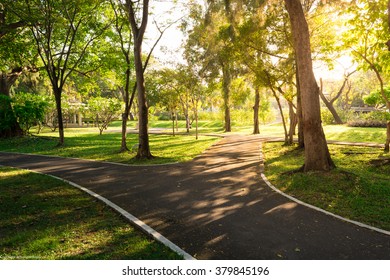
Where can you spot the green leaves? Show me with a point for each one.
(29, 109)
(376, 99)
(103, 111)
(366, 33)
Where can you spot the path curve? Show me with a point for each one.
(217, 206)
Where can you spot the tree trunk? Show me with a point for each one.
(57, 95)
(173, 123)
(143, 136)
(196, 120)
(387, 145)
(226, 83)
(125, 115)
(330, 106)
(282, 115)
(176, 122)
(331, 109)
(301, 139)
(317, 156)
(138, 35)
(293, 123)
(7, 116)
(256, 129)
(188, 122)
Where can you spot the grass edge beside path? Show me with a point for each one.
(355, 190)
(165, 148)
(45, 218)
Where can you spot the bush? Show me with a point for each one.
(238, 116)
(164, 116)
(372, 119)
(29, 109)
(103, 111)
(210, 116)
(345, 115)
(326, 116)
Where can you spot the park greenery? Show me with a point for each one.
(44, 218)
(239, 56)
(359, 189)
(81, 78)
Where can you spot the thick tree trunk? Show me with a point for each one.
(138, 35)
(143, 136)
(7, 116)
(317, 156)
(256, 128)
(387, 144)
(226, 83)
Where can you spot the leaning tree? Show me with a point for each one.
(317, 156)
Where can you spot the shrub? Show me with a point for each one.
(372, 119)
(345, 115)
(29, 109)
(103, 111)
(326, 116)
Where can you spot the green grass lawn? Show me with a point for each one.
(82, 143)
(332, 132)
(86, 143)
(357, 189)
(355, 134)
(44, 218)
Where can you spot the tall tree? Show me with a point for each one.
(317, 156)
(123, 33)
(136, 9)
(63, 31)
(211, 40)
(226, 37)
(15, 57)
(366, 38)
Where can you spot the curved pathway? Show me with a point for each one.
(217, 206)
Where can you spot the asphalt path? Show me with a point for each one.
(217, 206)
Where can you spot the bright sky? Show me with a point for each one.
(169, 48)
(342, 66)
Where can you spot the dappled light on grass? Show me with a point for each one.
(165, 148)
(355, 189)
(43, 218)
(355, 134)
